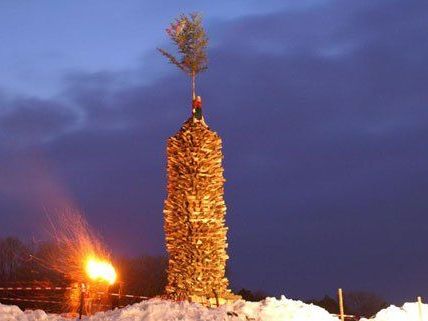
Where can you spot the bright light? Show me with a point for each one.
(100, 270)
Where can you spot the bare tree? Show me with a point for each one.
(12, 254)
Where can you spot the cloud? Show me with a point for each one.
(26, 121)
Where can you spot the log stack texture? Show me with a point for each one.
(195, 216)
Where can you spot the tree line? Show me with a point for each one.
(143, 275)
(22, 263)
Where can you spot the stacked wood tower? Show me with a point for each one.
(195, 216)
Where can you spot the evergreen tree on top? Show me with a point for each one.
(191, 40)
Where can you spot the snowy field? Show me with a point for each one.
(268, 310)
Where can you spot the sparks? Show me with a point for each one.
(100, 270)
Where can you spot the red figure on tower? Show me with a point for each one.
(197, 107)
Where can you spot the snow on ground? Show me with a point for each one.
(13, 313)
(270, 309)
(408, 312)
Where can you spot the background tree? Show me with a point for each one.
(12, 252)
(249, 295)
(328, 303)
(364, 304)
(189, 36)
(144, 275)
(358, 303)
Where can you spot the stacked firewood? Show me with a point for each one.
(195, 216)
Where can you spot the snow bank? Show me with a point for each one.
(13, 313)
(270, 309)
(283, 309)
(408, 312)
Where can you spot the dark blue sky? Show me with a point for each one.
(322, 107)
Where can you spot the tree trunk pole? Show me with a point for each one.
(193, 86)
(341, 309)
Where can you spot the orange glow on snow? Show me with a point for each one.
(99, 270)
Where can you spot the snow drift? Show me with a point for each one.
(156, 309)
(270, 309)
(408, 312)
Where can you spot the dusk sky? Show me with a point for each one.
(322, 106)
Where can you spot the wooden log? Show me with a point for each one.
(341, 307)
(195, 216)
(420, 308)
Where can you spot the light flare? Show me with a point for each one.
(100, 270)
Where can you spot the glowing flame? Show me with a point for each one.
(100, 270)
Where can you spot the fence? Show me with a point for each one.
(51, 298)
